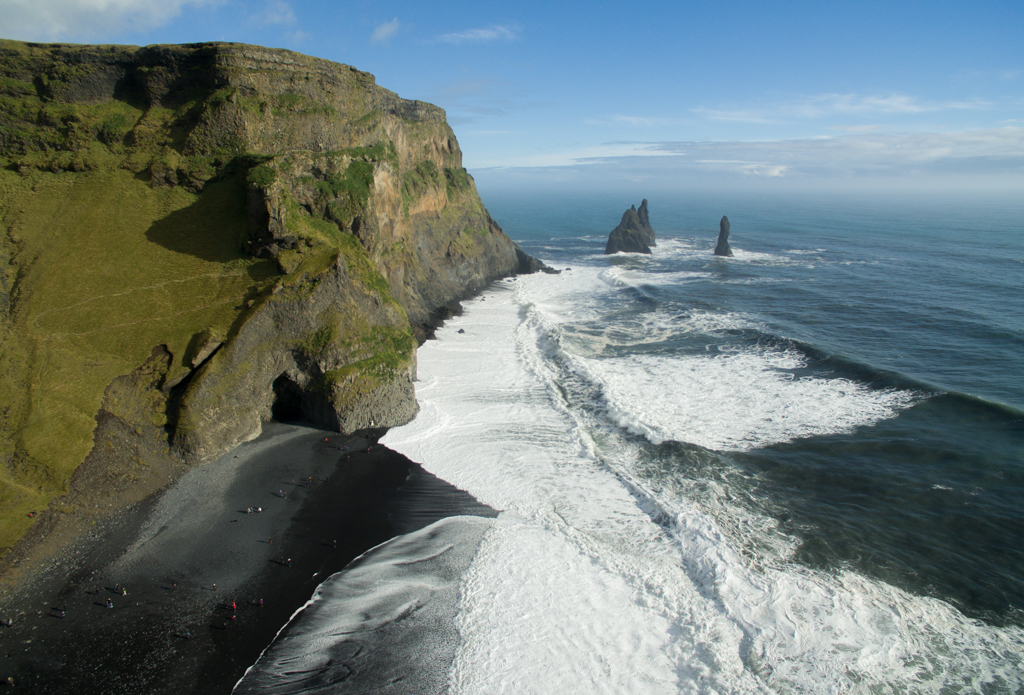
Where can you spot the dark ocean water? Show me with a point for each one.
(922, 298)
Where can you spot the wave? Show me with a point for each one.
(599, 578)
(385, 624)
(750, 391)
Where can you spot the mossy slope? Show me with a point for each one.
(273, 221)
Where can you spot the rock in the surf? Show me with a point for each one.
(634, 233)
(722, 249)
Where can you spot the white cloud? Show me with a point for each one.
(484, 86)
(485, 35)
(274, 12)
(826, 105)
(969, 156)
(384, 31)
(643, 121)
(587, 154)
(87, 20)
(867, 128)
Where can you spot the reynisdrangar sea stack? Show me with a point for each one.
(723, 248)
(634, 233)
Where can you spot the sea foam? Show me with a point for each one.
(595, 579)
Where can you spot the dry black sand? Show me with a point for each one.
(195, 565)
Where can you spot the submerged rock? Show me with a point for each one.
(722, 249)
(634, 233)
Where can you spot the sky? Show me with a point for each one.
(915, 95)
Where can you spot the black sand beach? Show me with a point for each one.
(209, 583)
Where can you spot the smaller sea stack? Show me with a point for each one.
(722, 249)
(634, 234)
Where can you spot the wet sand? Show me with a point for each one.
(196, 564)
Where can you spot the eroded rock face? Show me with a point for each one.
(342, 350)
(722, 248)
(359, 198)
(634, 233)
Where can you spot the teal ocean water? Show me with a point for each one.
(922, 300)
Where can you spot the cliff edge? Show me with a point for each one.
(198, 238)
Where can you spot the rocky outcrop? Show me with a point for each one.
(339, 350)
(722, 248)
(634, 233)
(529, 265)
(284, 230)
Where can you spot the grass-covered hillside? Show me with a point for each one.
(271, 220)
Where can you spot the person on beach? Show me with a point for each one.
(233, 607)
(9, 622)
(215, 586)
(110, 604)
(188, 634)
(261, 603)
(124, 591)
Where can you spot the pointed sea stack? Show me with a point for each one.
(634, 233)
(722, 249)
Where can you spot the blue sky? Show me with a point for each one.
(758, 94)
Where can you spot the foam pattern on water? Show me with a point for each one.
(742, 400)
(594, 579)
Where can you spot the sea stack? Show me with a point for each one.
(634, 233)
(722, 249)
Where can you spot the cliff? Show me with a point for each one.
(634, 233)
(196, 238)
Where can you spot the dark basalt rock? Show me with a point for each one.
(529, 265)
(722, 249)
(634, 233)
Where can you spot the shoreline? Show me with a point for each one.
(189, 552)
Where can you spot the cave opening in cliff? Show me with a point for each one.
(287, 405)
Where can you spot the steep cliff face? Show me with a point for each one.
(277, 227)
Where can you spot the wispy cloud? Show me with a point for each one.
(466, 88)
(828, 105)
(496, 32)
(273, 12)
(583, 155)
(637, 121)
(384, 31)
(867, 128)
(997, 152)
(87, 20)
(468, 100)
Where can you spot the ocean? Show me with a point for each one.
(799, 469)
